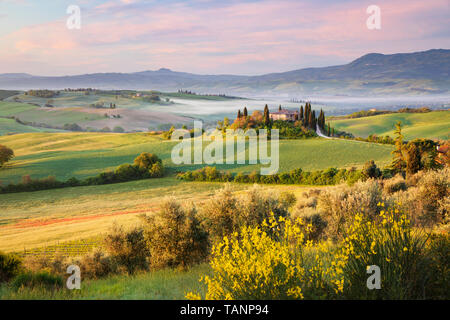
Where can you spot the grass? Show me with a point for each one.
(166, 284)
(81, 155)
(31, 220)
(432, 125)
(35, 219)
(8, 126)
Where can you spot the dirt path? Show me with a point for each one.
(320, 134)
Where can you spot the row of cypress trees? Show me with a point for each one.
(307, 116)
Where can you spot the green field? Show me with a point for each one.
(66, 155)
(164, 284)
(35, 219)
(8, 126)
(432, 125)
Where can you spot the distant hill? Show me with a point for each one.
(432, 125)
(417, 73)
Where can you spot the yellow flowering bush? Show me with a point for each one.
(271, 261)
(389, 242)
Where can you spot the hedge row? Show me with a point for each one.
(329, 176)
(145, 166)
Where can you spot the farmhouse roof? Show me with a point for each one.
(284, 112)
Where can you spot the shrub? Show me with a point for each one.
(43, 279)
(318, 225)
(118, 129)
(145, 161)
(438, 250)
(174, 236)
(395, 184)
(265, 262)
(96, 265)
(6, 154)
(157, 170)
(127, 249)
(55, 264)
(339, 204)
(127, 172)
(221, 213)
(227, 213)
(370, 170)
(390, 243)
(72, 127)
(427, 198)
(10, 266)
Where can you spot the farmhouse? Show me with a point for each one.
(286, 115)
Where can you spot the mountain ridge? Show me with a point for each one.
(424, 72)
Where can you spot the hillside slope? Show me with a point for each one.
(433, 125)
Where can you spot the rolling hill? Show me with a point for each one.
(432, 125)
(416, 73)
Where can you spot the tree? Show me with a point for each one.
(146, 160)
(313, 120)
(398, 162)
(370, 170)
(412, 159)
(6, 154)
(175, 236)
(279, 108)
(329, 129)
(118, 129)
(239, 114)
(266, 115)
(301, 113)
(245, 112)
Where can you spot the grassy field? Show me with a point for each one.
(8, 126)
(34, 219)
(433, 125)
(164, 284)
(44, 218)
(66, 155)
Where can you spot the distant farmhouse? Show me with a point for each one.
(285, 115)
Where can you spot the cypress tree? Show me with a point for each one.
(412, 159)
(245, 112)
(398, 162)
(266, 115)
(314, 120)
(279, 108)
(239, 114)
(310, 120)
(306, 119)
(329, 130)
(301, 113)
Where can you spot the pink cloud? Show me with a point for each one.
(236, 38)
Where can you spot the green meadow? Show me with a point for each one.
(432, 125)
(8, 126)
(166, 284)
(66, 155)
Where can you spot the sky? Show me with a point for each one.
(247, 37)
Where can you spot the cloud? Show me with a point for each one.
(250, 37)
